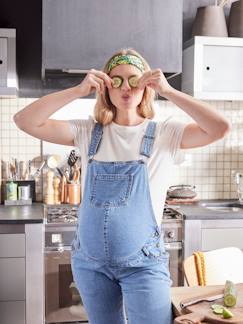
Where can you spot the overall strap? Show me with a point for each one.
(148, 139)
(95, 139)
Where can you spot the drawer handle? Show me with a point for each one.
(207, 68)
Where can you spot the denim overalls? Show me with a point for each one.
(118, 254)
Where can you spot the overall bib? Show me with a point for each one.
(118, 254)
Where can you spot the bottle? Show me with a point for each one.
(11, 191)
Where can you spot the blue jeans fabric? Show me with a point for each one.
(143, 289)
(118, 255)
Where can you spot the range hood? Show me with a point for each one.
(8, 74)
(77, 38)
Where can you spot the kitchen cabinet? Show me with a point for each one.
(22, 273)
(12, 279)
(3, 62)
(8, 75)
(12, 312)
(212, 68)
(12, 245)
(26, 19)
(215, 238)
(205, 235)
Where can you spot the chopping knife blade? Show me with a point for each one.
(200, 299)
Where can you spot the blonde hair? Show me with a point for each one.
(105, 111)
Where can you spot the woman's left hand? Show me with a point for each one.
(156, 80)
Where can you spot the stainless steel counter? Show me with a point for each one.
(211, 209)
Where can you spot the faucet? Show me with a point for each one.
(239, 182)
(238, 177)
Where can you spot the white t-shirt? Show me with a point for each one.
(122, 143)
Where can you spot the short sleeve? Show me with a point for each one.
(171, 131)
(81, 130)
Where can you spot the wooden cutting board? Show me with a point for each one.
(202, 311)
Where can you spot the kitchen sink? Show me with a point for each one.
(223, 206)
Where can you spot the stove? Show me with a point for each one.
(172, 225)
(66, 213)
(172, 213)
(61, 224)
(60, 214)
(61, 217)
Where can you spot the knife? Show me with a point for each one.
(200, 299)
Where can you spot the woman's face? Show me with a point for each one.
(125, 97)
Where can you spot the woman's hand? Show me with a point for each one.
(156, 80)
(94, 81)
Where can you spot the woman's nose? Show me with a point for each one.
(125, 85)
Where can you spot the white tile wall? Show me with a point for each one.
(209, 168)
(14, 143)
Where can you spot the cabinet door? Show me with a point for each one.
(12, 279)
(216, 238)
(12, 312)
(217, 75)
(3, 61)
(12, 245)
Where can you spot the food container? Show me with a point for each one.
(181, 191)
(24, 192)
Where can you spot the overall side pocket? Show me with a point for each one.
(155, 249)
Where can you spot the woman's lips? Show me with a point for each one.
(126, 97)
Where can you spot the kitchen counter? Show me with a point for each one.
(22, 214)
(35, 213)
(198, 211)
(182, 293)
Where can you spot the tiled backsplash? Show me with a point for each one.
(208, 168)
(14, 143)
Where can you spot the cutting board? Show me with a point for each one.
(202, 311)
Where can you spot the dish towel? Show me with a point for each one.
(200, 267)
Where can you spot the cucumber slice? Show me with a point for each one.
(227, 313)
(217, 309)
(230, 294)
(216, 306)
(117, 81)
(133, 81)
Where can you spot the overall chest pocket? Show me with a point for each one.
(111, 190)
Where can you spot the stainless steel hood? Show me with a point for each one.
(8, 74)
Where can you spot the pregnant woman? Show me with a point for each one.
(119, 260)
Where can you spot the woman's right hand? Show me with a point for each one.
(94, 81)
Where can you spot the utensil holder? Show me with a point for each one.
(72, 193)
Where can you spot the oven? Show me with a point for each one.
(173, 238)
(62, 301)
